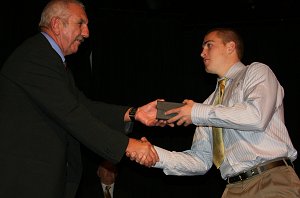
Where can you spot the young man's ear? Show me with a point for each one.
(230, 47)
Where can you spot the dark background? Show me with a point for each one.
(149, 49)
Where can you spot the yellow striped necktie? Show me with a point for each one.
(218, 144)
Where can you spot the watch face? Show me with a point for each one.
(132, 113)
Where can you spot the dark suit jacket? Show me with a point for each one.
(43, 117)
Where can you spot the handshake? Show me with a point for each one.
(153, 114)
(142, 151)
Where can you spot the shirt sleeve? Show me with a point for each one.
(196, 161)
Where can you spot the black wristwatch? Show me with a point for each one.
(132, 113)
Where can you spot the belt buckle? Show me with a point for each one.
(252, 172)
(240, 177)
(244, 175)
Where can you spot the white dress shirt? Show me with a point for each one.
(252, 118)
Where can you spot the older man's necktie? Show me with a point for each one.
(218, 144)
(106, 192)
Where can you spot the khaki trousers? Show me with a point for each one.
(278, 182)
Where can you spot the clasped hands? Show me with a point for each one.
(142, 151)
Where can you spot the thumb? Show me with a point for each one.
(144, 139)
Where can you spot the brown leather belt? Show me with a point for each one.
(259, 169)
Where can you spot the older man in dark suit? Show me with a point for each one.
(44, 117)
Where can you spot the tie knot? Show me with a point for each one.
(222, 83)
(107, 187)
